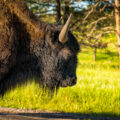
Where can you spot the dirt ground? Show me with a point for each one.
(23, 114)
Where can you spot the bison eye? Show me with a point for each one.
(65, 53)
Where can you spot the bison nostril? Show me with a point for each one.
(74, 79)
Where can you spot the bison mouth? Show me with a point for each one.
(71, 81)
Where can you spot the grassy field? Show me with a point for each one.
(97, 90)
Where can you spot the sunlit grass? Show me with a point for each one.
(97, 90)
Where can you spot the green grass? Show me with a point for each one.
(97, 90)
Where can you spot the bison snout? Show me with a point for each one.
(74, 80)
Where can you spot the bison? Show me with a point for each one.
(30, 48)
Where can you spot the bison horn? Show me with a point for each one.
(63, 34)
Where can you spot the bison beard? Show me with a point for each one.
(30, 48)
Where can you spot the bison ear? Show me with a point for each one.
(64, 32)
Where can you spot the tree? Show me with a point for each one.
(55, 7)
(94, 23)
(41, 7)
(58, 10)
(117, 18)
(66, 10)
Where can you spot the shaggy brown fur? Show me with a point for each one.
(11, 12)
(30, 48)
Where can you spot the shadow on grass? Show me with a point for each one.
(46, 116)
(107, 56)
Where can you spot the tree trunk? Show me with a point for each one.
(117, 18)
(94, 56)
(66, 11)
(58, 10)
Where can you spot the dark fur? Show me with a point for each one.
(29, 48)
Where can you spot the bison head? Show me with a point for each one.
(58, 57)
